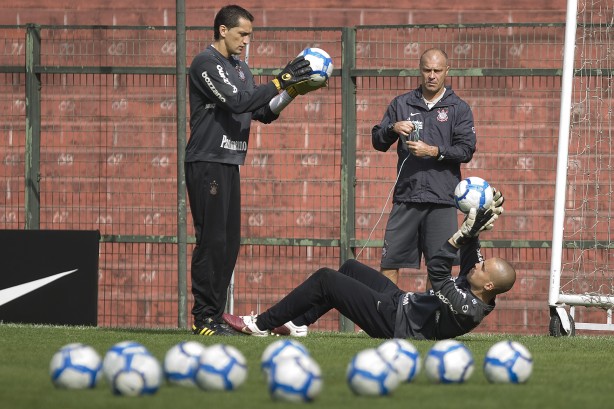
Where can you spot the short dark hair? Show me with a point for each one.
(229, 16)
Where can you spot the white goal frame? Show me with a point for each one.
(556, 299)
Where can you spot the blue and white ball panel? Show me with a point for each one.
(323, 67)
(508, 362)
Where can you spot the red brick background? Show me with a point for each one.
(138, 112)
(311, 13)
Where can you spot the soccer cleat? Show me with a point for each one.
(290, 329)
(209, 328)
(245, 324)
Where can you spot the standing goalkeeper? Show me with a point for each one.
(453, 307)
(223, 102)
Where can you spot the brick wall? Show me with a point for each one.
(534, 282)
(312, 13)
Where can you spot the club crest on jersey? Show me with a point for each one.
(213, 188)
(442, 114)
(240, 72)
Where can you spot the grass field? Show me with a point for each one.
(568, 373)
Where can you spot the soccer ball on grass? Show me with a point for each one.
(295, 379)
(75, 366)
(508, 362)
(473, 192)
(370, 374)
(403, 356)
(448, 361)
(181, 363)
(321, 65)
(221, 367)
(113, 360)
(137, 374)
(281, 349)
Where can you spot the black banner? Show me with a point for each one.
(49, 276)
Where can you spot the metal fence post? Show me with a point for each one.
(33, 127)
(348, 154)
(182, 301)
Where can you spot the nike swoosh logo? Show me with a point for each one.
(414, 113)
(9, 294)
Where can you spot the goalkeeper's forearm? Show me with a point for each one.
(280, 101)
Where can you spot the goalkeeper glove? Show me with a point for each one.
(497, 201)
(304, 88)
(496, 207)
(297, 71)
(474, 223)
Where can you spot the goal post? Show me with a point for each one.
(582, 264)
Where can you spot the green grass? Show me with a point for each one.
(568, 373)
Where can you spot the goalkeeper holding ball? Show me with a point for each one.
(453, 307)
(223, 102)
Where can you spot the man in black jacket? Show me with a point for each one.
(452, 307)
(435, 133)
(223, 101)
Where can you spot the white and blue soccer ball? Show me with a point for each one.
(295, 379)
(473, 192)
(75, 366)
(403, 356)
(181, 363)
(370, 374)
(221, 367)
(113, 358)
(508, 362)
(321, 65)
(137, 374)
(449, 361)
(281, 349)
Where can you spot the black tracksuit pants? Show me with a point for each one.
(359, 292)
(215, 202)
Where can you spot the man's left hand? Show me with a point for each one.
(421, 149)
(475, 222)
(496, 207)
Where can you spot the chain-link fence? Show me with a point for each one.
(89, 141)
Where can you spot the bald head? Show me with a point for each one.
(434, 54)
(433, 73)
(502, 275)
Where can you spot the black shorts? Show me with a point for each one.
(414, 230)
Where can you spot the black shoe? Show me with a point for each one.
(225, 327)
(209, 327)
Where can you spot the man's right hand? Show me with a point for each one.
(296, 72)
(304, 88)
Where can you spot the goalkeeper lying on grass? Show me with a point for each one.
(452, 307)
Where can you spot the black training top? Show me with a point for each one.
(447, 125)
(449, 309)
(223, 102)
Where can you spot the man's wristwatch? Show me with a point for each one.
(390, 127)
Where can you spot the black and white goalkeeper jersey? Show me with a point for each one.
(223, 102)
(449, 309)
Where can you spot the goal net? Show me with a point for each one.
(582, 265)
